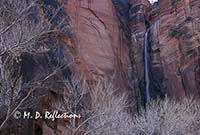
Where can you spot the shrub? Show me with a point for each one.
(168, 117)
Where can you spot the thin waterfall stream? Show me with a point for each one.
(146, 55)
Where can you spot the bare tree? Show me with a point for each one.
(168, 117)
(109, 115)
(101, 110)
(21, 30)
(106, 114)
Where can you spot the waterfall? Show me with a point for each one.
(35, 12)
(146, 67)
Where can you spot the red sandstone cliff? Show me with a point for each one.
(108, 41)
(99, 48)
(174, 44)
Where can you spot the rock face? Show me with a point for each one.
(99, 48)
(106, 40)
(91, 46)
(173, 27)
(175, 46)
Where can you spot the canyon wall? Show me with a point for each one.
(175, 45)
(173, 28)
(105, 41)
(109, 41)
(99, 48)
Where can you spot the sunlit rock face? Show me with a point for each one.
(100, 51)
